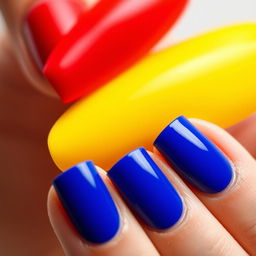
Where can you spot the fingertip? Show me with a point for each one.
(63, 229)
(52, 202)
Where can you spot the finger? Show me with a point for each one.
(66, 45)
(222, 174)
(174, 219)
(236, 207)
(15, 13)
(245, 133)
(92, 223)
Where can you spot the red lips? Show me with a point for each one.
(104, 42)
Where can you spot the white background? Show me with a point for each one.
(203, 15)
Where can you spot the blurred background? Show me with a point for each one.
(203, 15)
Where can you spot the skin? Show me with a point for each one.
(27, 113)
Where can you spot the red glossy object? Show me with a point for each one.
(47, 22)
(106, 41)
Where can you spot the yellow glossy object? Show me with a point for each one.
(212, 77)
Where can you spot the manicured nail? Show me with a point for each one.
(146, 189)
(47, 22)
(194, 156)
(88, 203)
(111, 37)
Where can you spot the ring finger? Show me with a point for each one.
(221, 174)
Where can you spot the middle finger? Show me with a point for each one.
(174, 219)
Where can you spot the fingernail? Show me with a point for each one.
(88, 203)
(107, 41)
(47, 22)
(194, 156)
(146, 189)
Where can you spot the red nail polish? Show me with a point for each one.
(81, 50)
(47, 22)
(106, 41)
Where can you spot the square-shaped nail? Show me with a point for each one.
(88, 203)
(147, 190)
(46, 23)
(194, 156)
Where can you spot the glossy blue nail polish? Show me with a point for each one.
(146, 189)
(194, 156)
(88, 203)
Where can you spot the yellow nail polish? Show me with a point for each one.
(210, 77)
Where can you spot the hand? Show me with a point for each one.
(218, 212)
(27, 169)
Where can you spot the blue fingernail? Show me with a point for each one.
(146, 189)
(88, 203)
(194, 156)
